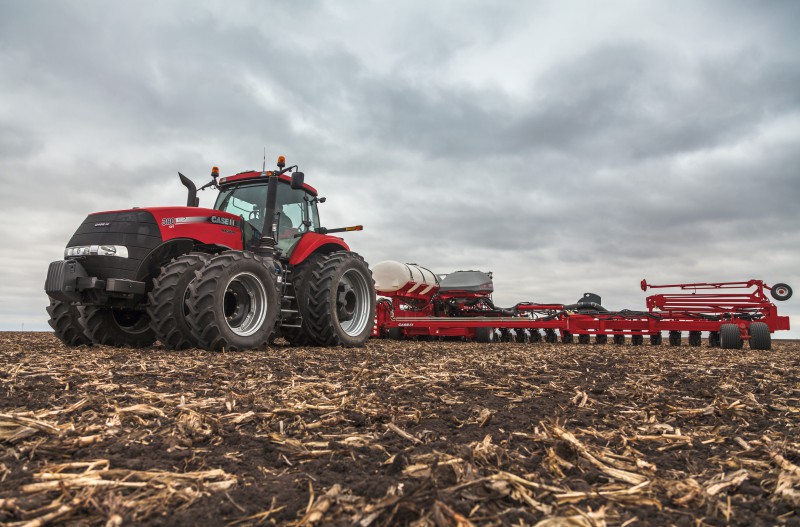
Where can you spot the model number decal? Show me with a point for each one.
(405, 324)
(184, 220)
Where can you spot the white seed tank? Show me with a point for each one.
(393, 277)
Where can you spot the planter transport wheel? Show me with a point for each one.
(730, 338)
(760, 338)
(484, 335)
(781, 292)
(395, 334)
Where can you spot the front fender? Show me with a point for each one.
(311, 243)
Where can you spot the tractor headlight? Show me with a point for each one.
(96, 250)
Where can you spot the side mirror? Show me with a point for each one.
(297, 180)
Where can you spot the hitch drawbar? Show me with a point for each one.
(419, 303)
(67, 280)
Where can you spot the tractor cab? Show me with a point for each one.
(245, 195)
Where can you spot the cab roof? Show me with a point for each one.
(255, 175)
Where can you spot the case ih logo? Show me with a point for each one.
(167, 221)
(223, 221)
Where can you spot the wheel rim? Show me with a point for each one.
(245, 304)
(130, 320)
(352, 303)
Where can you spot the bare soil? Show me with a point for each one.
(399, 433)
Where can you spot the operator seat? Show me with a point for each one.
(285, 227)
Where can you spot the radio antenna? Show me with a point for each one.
(264, 165)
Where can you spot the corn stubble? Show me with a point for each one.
(399, 433)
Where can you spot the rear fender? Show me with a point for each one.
(314, 243)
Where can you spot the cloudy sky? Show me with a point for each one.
(565, 146)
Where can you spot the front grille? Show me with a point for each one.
(135, 229)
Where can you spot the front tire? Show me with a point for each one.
(121, 328)
(167, 306)
(341, 301)
(234, 302)
(67, 323)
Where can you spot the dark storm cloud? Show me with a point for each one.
(564, 146)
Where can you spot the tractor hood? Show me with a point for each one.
(115, 243)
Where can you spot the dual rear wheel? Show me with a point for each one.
(336, 299)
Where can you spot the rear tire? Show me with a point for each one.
(729, 337)
(234, 302)
(301, 336)
(760, 339)
(341, 301)
(121, 328)
(67, 323)
(167, 307)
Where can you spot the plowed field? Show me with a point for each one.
(399, 433)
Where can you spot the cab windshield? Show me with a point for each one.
(296, 211)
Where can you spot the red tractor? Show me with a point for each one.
(255, 267)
